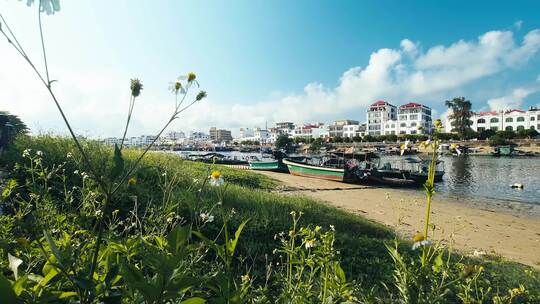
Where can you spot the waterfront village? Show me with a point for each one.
(382, 120)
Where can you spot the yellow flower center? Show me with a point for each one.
(216, 174)
(418, 237)
(132, 181)
(191, 77)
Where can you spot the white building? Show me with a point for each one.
(510, 120)
(198, 136)
(351, 131)
(309, 131)
(245, 133)
(413, 118)
(173, 138)
(377, 115)
(257, 134)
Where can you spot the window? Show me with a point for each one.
(509, 128)
(481, 121)
(520, 128)
(532, 118)
(481, 129)
(402, 117)
(494, 129)
(494, 120)
(393, 126)
(403, 125)
(413, 124)
(413, 131)
(509, 119)
(413, 117)
(401, 132)
(519, 119)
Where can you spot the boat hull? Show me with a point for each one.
(306, 170)
(268, 166)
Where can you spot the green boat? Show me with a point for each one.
(503, 151)
(268, 165)
(264, 165)
(304, 169)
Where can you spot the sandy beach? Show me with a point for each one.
(467, 228)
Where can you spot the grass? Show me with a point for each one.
(360, 241)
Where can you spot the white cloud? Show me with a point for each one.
(98, 98)
(514, 100)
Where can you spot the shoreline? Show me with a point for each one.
(468, 227)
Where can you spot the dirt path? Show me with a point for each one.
(469, 229)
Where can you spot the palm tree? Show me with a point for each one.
(461, 115)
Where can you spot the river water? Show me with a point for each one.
(489, 178)
(480, 180)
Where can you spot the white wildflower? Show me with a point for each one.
(14, 263)
(76, 172)
(332, 227)
(216, 180)
(423, 243)
(26, 153)
(69, 155)
(99, 213)
(39, 153)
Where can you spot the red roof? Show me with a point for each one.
(411, 105)
(309, 126)
(488, 113)
(379, 103)
(514, 110)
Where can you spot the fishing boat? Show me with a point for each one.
(420, 172)
(411, 172)
(503, 151)
(300, 168)
(273, 162)
(329, 168)
(217, 158)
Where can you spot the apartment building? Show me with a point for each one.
(378, 114)
(510, 120)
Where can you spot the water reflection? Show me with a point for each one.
(490, 177)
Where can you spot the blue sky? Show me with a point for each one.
(261, 61)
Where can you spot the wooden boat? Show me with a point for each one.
(272, 163)
(503, 151)
(268, 165)
(416, 173)
(217, 158)
(300, 168)
(420, 173)
(390, 172)
(391, 181)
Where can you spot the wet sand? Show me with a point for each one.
(467, 228)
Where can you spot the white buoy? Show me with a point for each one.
(517, 186)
